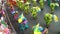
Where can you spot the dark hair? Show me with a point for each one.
(0, 23)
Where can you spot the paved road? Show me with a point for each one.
(53, 29)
